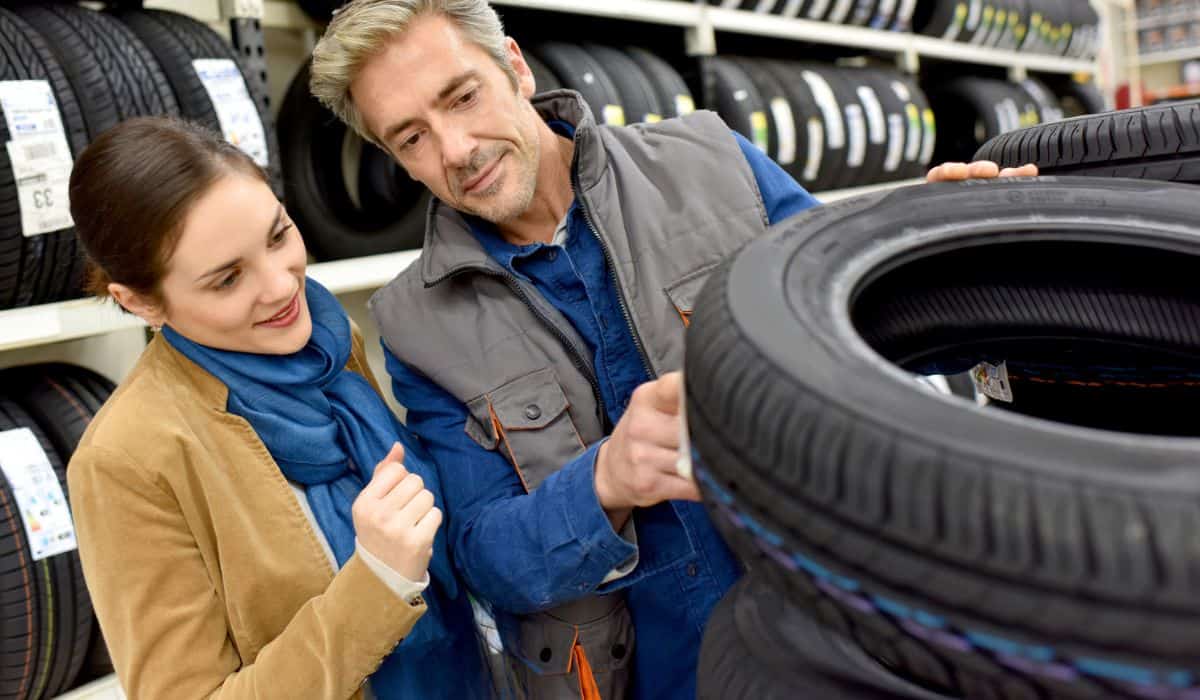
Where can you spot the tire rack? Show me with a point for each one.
(106, 340)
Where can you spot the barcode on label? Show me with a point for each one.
(39, 150)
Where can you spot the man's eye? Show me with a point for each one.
(467, 98)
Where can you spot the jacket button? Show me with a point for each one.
(532, 412)
(546, 655)
(691, 570)
(618, 651)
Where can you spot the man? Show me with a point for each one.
(534, 343)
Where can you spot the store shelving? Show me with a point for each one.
(80, 318)
(1185, 54)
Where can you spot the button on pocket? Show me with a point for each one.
(532, 412)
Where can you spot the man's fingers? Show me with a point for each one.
(677, 488)
(947, 171)
(666, 392)
(982, 169)
(1027, 170)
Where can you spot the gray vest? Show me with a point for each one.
(668, 201)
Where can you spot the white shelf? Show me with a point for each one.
(1165, 20)
(1186, 54)
(106, 688)
(80, 318)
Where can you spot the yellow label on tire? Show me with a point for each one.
(684, 105)
(652, 118)
(614, 115)
(758, 127)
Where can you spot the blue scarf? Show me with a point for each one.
(327, 428)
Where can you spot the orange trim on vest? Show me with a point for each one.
(588, 690)
(499, 430)
(685, 315)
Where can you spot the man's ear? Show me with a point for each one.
(526, 85)
(140, 305)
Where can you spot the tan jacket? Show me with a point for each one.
(207, 578)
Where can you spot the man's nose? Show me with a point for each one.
(458, 148)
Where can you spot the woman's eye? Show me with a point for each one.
(280, 235)
(228, 280)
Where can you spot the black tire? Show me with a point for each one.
(861, 82)
(854, 119)
(673, 93)
(863, 12)
(970, 113)
(1047, 104)
(176, 40)
(638, 97)
(61, 398)
(1078, 99)
(1161, 142)
(578, 71)
(376, 208)
(544, 79)
(906, 96)
(895, 114)
(816, 9)
(839, 11)
(47, 267)
(974, 537)
(65, 617)
(903, 21)
(758, 644)
(811, 99)
(735, 98)
(941, 18)
(783, 131)
(885, 14)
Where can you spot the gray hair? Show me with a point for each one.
(360, 30)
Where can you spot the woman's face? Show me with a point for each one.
(236, 278)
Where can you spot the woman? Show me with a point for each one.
(248, 523)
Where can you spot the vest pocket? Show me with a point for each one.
(593, 636)
(527, 420)
(683, 292)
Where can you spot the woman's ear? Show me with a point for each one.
(138, 304)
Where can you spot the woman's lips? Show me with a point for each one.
(286, 317)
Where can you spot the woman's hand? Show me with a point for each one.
(394, 518)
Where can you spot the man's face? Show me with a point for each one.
(453, 119)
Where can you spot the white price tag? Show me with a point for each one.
(42, 170)
(240, 123)
(39, 496)
(41, 159)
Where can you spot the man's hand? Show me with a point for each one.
(395, 519)
(980, 169)
(636, 466)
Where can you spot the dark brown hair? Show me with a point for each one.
(131, 190)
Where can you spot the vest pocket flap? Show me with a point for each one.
(683, 292)
(529, 402)
(546, 641)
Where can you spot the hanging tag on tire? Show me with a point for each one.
(992, 381)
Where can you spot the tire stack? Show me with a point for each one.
(892, 15)
(828, 127)
(1055, 27)
(1168, 26)
(51, 641)
(101, 68)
